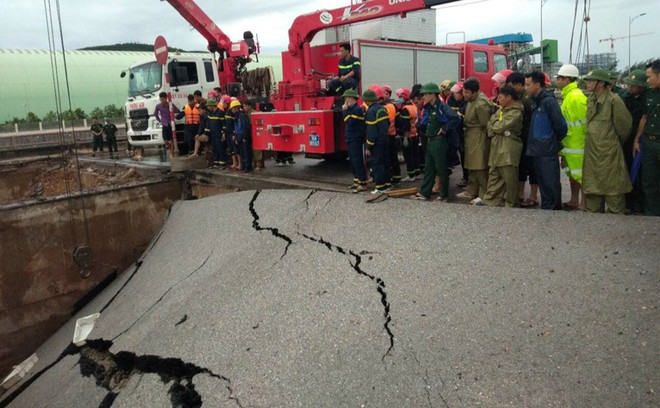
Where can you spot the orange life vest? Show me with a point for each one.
(192, 115)
(413, 112)
(391, 112)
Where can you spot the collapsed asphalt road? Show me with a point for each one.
(296, 298)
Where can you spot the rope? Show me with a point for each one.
(73, 133)
(570, 52)
(58, 107)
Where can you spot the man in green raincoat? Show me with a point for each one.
(477, 144)
(504, 130)
(605, 179)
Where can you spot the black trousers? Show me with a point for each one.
(378, 164)
(393, 160)
(547, 174)
(412, 151)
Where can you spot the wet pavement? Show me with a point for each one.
(311, 298)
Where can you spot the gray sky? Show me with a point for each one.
(100, 22)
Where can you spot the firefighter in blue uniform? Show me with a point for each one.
(353, 115)
(214, 128)
(348, 74)
(377, 121)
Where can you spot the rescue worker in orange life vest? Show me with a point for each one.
(394, 169)
(348, 73)
(353, 115)
(407, 128)
(377, 123)
(191, 113)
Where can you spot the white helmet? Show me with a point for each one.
(568, 70)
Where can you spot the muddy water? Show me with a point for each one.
(39, 281)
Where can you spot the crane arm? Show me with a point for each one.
(306, 26)
(218, 40)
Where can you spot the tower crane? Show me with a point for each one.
(612, 39)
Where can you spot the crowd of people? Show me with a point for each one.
(607, 143)
(603, 142)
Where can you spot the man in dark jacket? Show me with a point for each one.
(353, 115)
(546, 130)
(377, 122)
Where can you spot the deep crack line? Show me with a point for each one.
(380, 284)
(112, 371)
(275, 231)
(163, 296)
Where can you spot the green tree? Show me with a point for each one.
(97, 113)
(112, 111)
(50, 117)
(32, 117)
(79, 114)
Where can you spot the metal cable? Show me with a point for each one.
(73, 133)
(58, 107)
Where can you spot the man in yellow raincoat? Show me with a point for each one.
(574, 109)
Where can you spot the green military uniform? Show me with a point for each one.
(97, 137)
(477, 144)
(504, 130)
(605, 177)
(635, 105)
(651, 154)
(110, 131)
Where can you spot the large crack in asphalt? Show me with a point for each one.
(275, 231)
(380, 284)
(112, 372)
(355, 263)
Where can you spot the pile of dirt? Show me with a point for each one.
(44, 179)
(53, 182)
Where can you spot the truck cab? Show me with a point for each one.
(146, 80)
(482, 62)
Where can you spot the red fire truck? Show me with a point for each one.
(305, 120)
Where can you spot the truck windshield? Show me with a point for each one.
(145, 79)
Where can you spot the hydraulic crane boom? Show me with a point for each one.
(218, 40)
(304, 27)
(233, 56)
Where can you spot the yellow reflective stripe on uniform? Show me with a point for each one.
(370, 143)
(213, 118)
(354, 117)
(382, 118)
(578, 123)
(576, 171)
(572, 151)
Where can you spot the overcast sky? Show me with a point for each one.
(101, 22)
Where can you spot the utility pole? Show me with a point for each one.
(630, 20)
(542, 4)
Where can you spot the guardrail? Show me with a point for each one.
(29, 140)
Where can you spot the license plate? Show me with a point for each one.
(315, 140)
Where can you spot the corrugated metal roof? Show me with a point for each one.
(26, 83)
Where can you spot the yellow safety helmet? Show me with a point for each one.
(235, 104)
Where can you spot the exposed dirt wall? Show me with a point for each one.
(39, 281)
